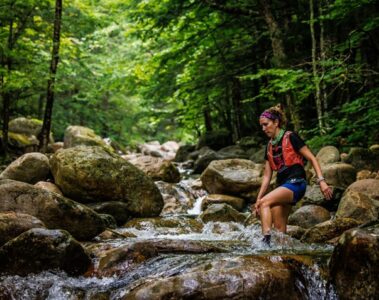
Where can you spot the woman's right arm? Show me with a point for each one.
(267, 174)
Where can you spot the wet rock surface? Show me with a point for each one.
(41, 249)
(354, 264)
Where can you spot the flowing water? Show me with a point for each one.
(225, 241)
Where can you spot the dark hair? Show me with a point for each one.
(278, 110)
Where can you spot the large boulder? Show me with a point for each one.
(369, 187)
(325, 231)
(308, 216)
(362, 158)
(328, 155)
(354, 264)
(29, 168)
(157, 168)
(225, 278)
(49, 186)
(357, 206)
(41, 249)
(80, 135)
(232, 177)
(222, 213)
(92, 174)
(52, 209)
(13, 224)
(339, 174)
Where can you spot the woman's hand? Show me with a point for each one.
(257, 206)
(326, 190)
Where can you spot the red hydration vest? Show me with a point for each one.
(290, 156)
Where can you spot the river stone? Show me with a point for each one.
(48, 186)
(222, 213)
(308, 216)
(325, 231)
(177, 199)
(52, 209)
(29, 168)
(339, 174)
(357, 206)
(328, 155)
(91, 174)
(257, 155)
(354, 264)
(313, 195)
(13, 224)
(183, 153)
(366, 174)
(80, 135)
(369, 187)
(229, 278)
(117, 209)
(205, 157)
(157, 168)
(235, 202)
(232, 177)
(41, 249)
(362, 158)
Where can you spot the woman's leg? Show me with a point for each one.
(280, 215)
(279, 196)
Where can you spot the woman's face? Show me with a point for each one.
(269, 126)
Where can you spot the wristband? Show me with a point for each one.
(320, 179)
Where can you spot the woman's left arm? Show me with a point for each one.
(325, 189)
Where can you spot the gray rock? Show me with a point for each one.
(40, 249)
(222, 213)
(232, 177)
(339, 174)
(80, 135)
(51, 208)
(29, 168)
(308, 216)
(328, 155)
(13, 224)
(362, 158)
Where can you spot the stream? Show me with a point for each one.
(229, 242)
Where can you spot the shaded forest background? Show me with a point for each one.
(141, 70)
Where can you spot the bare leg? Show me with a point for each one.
(280, 215)
(279, 196)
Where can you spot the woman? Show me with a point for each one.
(285, 153)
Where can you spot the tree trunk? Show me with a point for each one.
(280, 57)
(236, 108)
(316, 79)
(6, 94)
(207, 117)
(45, 131)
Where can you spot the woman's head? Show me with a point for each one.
(272, 120)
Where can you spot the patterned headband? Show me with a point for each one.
(270, 115)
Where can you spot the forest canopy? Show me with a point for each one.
(141, 70)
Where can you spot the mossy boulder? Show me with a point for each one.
(92, 174)
(80, 135)
(52, 209)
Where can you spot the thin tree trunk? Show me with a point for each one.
(324, 44)
(207, 117)
(45, 131)
(314, 69)
(280, 57)
(5, 94)
(236, 108)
